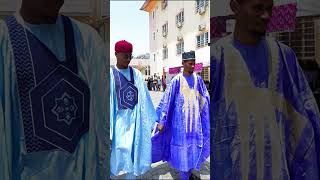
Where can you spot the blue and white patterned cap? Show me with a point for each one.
(188, 56)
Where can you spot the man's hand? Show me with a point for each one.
(160, 127)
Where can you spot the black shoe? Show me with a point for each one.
(194, 177)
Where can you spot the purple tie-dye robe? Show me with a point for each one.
(184, 112)
(265, 118)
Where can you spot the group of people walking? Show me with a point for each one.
(156, 83)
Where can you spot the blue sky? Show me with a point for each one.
(128, 22)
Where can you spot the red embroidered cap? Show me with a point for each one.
(123, 46)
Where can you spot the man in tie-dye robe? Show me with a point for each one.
(264, 117)
(184, 125)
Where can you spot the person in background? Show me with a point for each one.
(164, 83)
(155, 82)
(159, 83)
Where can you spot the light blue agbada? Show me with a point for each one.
(37, 154)
(266, 123)
(130, 129)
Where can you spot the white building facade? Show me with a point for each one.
(176, 27)
(142, 64)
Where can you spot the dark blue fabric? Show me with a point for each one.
(54, 100)
(188, 55)
(127, 92)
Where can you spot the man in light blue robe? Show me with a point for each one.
(184, 126)
(53, 119)
(132, 116)
(265, 119)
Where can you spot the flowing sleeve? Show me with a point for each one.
(147, 106)
(5, 146)
(166, 105)
(4, 161)
(96, 66)
(112, 104)
(309, 165)
(222, 134)
(204, 106)
(205, 120)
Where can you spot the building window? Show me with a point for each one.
(180, 47)
(164, 4)
(302, 40)
(305, 41)
(154, 36)
(202, 40)
(201, 6)
(165, 29)
(153, 14)
(165, 52)
(205, 74)
(180, 19)
(154, 57)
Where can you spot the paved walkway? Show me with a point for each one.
(162, 170)
(156, 97)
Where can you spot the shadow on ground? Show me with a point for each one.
(162, 170)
